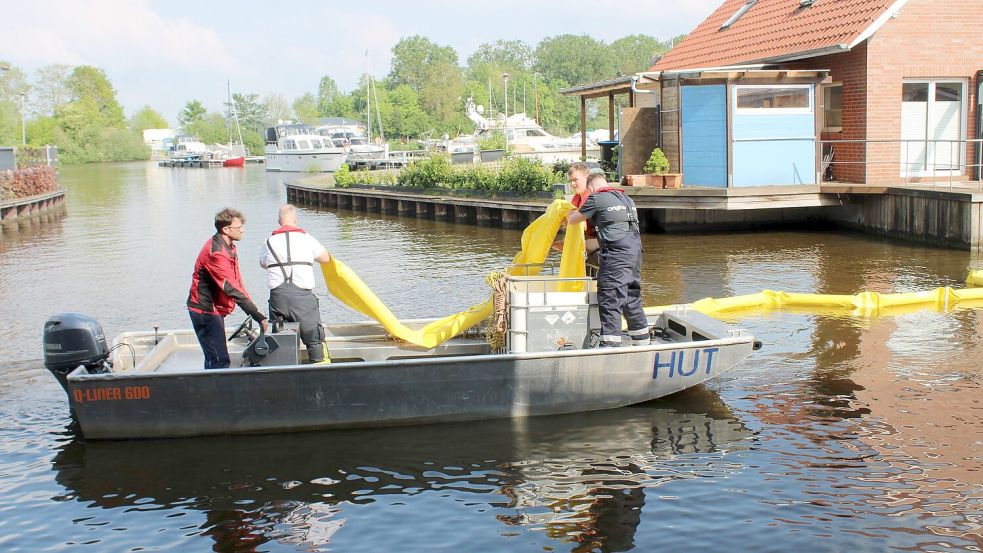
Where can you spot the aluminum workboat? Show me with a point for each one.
(151, 384)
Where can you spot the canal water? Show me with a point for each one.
(841, 434)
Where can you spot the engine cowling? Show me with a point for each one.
(70, 340)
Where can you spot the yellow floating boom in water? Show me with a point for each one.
(537, 238)
(345, 285)
(866, 304)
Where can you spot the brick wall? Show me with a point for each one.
(928, 39)
(850, 70)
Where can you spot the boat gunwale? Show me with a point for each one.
(80, 374)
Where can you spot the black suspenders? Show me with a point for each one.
(286, 278)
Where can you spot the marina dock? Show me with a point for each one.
(946, 215)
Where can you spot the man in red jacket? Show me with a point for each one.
(216, 288)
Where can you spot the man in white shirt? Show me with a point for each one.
(288, 257)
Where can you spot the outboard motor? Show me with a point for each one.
(73, 339)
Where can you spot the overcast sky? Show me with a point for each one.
(165, 53)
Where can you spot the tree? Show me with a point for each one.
(635, 53)
(210, 129)
(441, 92)
(147, 118)
(305, 106)
(13, 83)
(511, 55)
(411, 58)
(406, 118)
(327, 91)
(573, 59)
(41, 131)
(94, 95)
(193, 111)
(277, 108)
(252, 114)
(51, 90)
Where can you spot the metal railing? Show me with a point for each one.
(914, 159)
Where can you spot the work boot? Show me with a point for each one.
(327, 357)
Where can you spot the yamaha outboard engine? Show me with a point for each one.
(70, 340)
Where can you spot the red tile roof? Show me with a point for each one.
(772, 29)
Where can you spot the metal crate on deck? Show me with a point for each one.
(549, 313)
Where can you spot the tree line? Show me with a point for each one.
(422, 96)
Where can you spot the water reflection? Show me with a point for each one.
(580, 478)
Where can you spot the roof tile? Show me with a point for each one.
(772, 28)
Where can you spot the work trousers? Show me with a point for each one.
(210, 329)
(619, 291)
(297, 305)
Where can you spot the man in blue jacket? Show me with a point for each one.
(619, 280)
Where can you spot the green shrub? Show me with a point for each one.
(343, 177)
(658, 163)
(432, 172)
(526, 175)
(561, 166)
(493, 141)
(475, 178)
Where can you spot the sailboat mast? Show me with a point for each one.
(235, 115)
(368, 97)
(378, 114)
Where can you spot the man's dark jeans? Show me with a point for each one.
(211, 335)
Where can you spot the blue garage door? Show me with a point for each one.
(704, 120)
(774, 135)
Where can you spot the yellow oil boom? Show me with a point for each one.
(537, 238)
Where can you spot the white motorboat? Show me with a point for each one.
(526, 137)
(189, 147)
(299, 148)
(351, 136)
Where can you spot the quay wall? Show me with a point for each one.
(24, 209)
(505, 213)
(949, 219)
(946, 219)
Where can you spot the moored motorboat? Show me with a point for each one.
(299, 148)
(234, 161)
(151, 384)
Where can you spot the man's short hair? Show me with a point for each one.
(287, 213)
(225, 217)
(597, 180)
(578, 167)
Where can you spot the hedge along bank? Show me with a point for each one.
(515, 175)
(24, 183)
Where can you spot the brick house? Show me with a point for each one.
(893, 87)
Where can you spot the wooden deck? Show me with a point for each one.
(947, 215)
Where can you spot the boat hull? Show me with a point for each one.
(299, 162)
(395, 392)
(234, 162)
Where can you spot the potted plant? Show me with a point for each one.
(492, 147)
(658, 164)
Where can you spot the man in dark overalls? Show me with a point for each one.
(289, 257)
(619, 285)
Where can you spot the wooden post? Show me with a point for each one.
(583, 127)
(610, 115)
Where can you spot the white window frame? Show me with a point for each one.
(963, 124)
(822, 89)
(775, 111)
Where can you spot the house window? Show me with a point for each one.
(780, 99)
(933, 127)
(833, 108)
